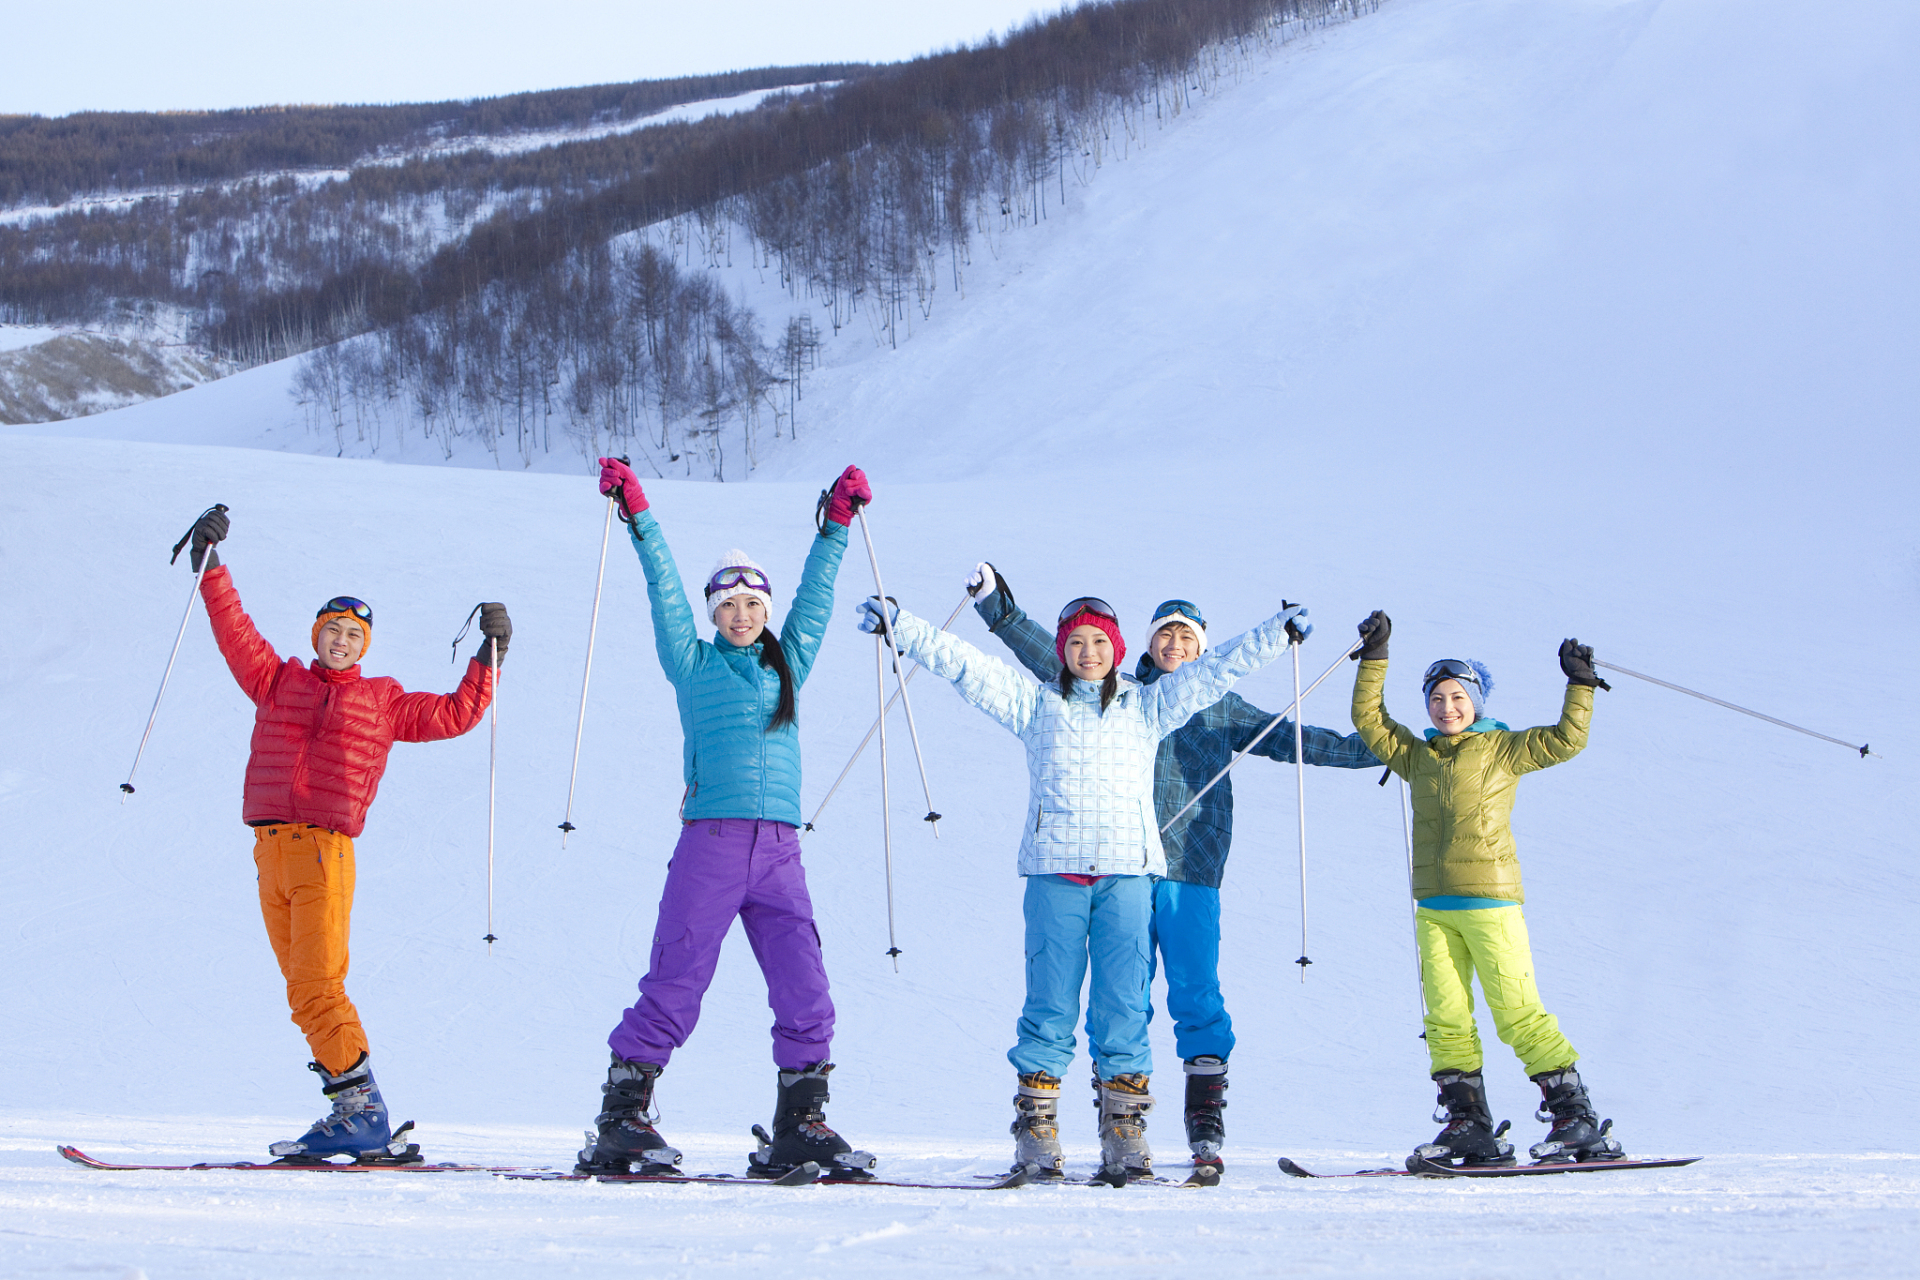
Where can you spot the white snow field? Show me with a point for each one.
(1518, 319)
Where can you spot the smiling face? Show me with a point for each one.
(1173, 645)
(340, 644)
(1089, 652)
(741, 619)
(1449, 707)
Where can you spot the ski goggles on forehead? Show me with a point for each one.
(1176, 610)
(1450, 669)
(1089, 604)
(346, 604)
(735, 575)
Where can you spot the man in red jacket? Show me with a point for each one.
(321, 733)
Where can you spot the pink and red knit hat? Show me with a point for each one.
(1085, 617)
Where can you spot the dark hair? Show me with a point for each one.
(772, 655)
(1109, 687)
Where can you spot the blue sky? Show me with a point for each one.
(126, 56)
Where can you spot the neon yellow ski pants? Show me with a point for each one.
(1454, 946)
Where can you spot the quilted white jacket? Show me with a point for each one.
(1090, 805)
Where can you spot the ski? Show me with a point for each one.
(800, 1177)
(86, 1161)
(1429, 1169)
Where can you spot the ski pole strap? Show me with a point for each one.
(463, 634)
(187, 537)
(1731, 706)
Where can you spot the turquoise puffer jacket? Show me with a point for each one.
(735, 768)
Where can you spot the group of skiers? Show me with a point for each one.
(1111, 758)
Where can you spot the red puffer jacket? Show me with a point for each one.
(321, 737)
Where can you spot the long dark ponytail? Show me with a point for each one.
(1109, 687)
(785, 712)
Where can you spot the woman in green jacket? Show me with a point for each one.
(1466, 880)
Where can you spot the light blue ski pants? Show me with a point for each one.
(1108, 922)
(1186, 933)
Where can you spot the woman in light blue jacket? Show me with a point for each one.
(1089, 845)
(739, 850)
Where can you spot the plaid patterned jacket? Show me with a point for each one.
(1196, 846)
(1090, 772)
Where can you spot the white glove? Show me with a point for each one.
(982, 582)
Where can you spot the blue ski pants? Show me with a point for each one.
(1186, 934)
(1068, 925)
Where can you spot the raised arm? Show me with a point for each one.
(1178, 696)
(430, 717)
(1389, 741)
(1323, 747)
(1030, 642)
(251, 659)
(806, 626)
(988, 683)
(1557, 743)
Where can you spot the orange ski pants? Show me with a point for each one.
(306, 895)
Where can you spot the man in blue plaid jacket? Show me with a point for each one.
(1186, 905)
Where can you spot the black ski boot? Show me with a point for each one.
(800, 1132)
(625, 1136)
(1578, 1132)
(1469, 1138)
(1036, 1125)
(1206, 1099)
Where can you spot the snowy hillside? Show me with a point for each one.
(1517, 320)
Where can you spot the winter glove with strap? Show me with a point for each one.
(849, 493)
(209, 529)
(1576, 660)
(1373, 637)
(868, 614)
(498, 630)
(983, 581)
(618, 482)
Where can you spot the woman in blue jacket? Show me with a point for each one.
(739, 848)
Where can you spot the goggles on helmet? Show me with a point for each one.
(738, 575)
(1450, 669)
(346, 604)
(1089, 604)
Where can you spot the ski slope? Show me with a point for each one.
(1518, 320)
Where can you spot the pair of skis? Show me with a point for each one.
(1419, 1167)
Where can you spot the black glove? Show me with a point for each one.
(498, 630)
(209, 529)
(1373, 637)
(1576, 660)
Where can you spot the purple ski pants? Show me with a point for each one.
(722, 868)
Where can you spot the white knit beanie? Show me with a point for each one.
(1172, 611)
(735, 559)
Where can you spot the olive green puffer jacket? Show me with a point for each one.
(1463, 788)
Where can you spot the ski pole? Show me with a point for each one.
(913, 731)
(1300, 776)
(493, 757)
(886, 808)
(1413, 905)
(206, 561)
(586, 674)
(1258, 738)
(861, 749)
(1720, 702)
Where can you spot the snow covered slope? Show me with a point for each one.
(1518, 320)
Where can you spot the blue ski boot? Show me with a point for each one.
(356, 1127)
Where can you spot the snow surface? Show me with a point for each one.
(1518, 320)
(14, 337)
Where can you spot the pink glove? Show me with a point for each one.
(850, 488)
(618, 481)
